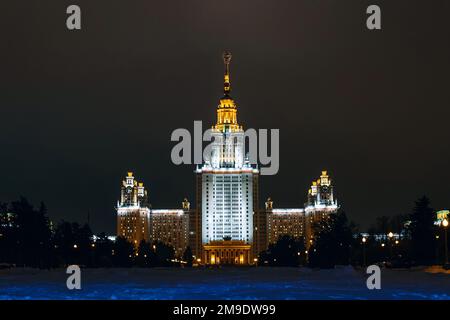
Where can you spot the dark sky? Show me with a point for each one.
(79, 109)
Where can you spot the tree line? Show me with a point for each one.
(29, 239)
(337, 241)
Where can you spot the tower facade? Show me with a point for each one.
(299, 222)
(133, 211)
(320, 203)
(226, 185)
(137, 220)
(321, 192)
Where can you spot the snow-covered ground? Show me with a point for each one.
(224, 283)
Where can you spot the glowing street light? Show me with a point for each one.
(390, 235)
(364, 239)
(75, 246)
(445, 225)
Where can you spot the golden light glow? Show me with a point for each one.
(324, 179)
(390, 234)
(226, 110)
(442, 214)
(445, 223)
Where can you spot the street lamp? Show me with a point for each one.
(364, 240)
(445, 225)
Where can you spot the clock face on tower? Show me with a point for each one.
(128, 190)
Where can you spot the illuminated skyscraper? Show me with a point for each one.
(227, 187)
(226, 226)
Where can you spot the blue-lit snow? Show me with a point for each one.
(225, 283)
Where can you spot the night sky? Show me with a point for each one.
(79, 109)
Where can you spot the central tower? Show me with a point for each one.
(227, 188)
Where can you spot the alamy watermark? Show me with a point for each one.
(255, 141)
(74, 280)
(374, 280)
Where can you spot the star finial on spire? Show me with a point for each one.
(226, 60)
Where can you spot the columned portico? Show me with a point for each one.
(227, 252)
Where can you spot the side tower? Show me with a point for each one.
(226, 188)
(320, 203)
(133, 211)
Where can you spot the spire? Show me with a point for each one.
(226, 110)
(226, 78)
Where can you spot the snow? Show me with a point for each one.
(341, 283)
